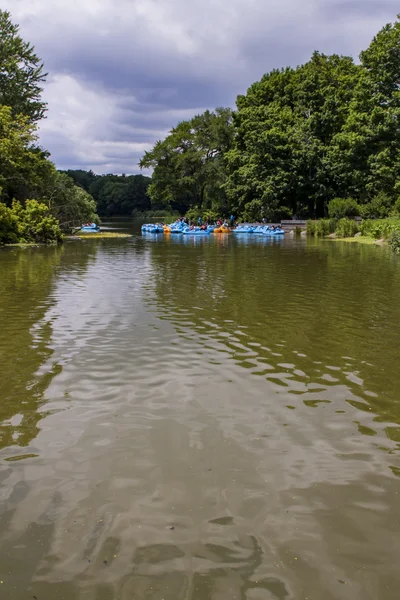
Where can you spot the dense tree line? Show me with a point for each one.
(37, 203)
(124, 195)
(299, 138)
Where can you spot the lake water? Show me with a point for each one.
(200, 419)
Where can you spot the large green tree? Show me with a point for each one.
(21, 72)
(24, 168)
(365, 154)
(189, 167)
(30, 187)
(299, 138)
(69, 203)
(285, 124)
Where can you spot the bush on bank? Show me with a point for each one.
(380, 228)
(31, 223)
(339, 208)
(321, 228)
(388, 229)
(394, 241)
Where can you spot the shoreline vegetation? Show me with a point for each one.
(374, 231)
(319, 142)
(38, 203)
(100, 235)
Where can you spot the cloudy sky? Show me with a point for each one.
(123, 72)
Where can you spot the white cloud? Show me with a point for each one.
(123, 72)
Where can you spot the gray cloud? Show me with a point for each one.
(124, 73)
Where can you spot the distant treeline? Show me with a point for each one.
(115, 195)
(299, 138)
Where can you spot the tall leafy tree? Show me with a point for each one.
(82, 178)
(365, 154)
(21, 72)
(69, 203)
(189, 167)
(285, 124)
(24, 167)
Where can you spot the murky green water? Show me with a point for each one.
(202, 419)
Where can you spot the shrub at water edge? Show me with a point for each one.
(346, 228)
(378, 208)
(382, 228)
(321, 228)
(32, 223)
(8, 225)
(339, 208)
(394, 241)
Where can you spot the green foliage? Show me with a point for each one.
(339, 208)
(8, 225)
(211, 215)
(300, 140)
(364, 154)
(193, 214)
(35, 223)
(82, 178)
(311, 227)
(189, 167)
(69, 203)
(21, 73)
(284, 125)
(31, 223)
(120, 195)
(324, 227)
(42, 196)
(346, 228)
(22, 166)
(396, 208)
(115, 195)
(320, 228)
(378, 229)
(155, 214)
(394, 241)
(378, 208)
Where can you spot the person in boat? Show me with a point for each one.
(232, 220)
(199, 221)
(203, 227)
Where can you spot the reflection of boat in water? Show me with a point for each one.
(90, 228)
(265, 240)
(223, 229)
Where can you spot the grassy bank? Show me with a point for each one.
(101, 235)
(369, 231)
(366, 240)
(25, 245)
